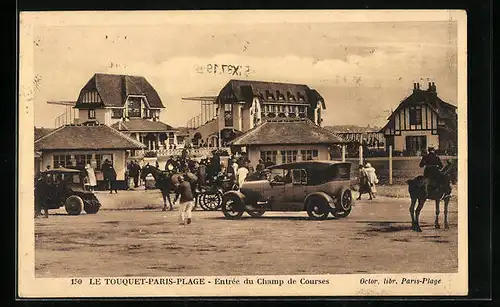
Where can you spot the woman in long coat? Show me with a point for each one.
(372, 178)
(91, 177)
(364, 186)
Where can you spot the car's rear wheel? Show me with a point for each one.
(73, 205)
(317, 208)
(232, 207)
(344, 205)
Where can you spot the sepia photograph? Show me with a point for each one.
(221, 153)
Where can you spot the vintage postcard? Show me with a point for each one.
(242, 153)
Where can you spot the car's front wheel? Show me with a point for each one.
(232, 207)
(317, 208)
(344, 204)
(73, 205)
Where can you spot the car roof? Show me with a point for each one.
(307, 164)
(61, 170)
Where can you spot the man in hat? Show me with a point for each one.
(184, 189)
(432, 169)
(109, 174)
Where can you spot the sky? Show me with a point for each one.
(362, 69)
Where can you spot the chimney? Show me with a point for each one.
(418, 85)
(414, 86)
(432, 87)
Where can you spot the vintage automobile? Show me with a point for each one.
(65, 187)
(318, 187)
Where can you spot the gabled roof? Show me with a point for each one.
(40, 132)
(140, 124)
(77, 137)
(246, 90)
(287, 131)
(114, 89)
(429, 98)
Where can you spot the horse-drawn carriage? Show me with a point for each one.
(208, 194)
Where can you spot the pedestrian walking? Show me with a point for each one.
(372, 178)
(109, 175)
(242, 175)
(92, 181)
(186, 205)
(364, 186)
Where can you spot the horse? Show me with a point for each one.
(417, 189)
(164, 181)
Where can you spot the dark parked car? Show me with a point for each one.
(318, 187)
(65, 187)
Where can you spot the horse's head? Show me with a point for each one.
(450, 170)
(146, 170)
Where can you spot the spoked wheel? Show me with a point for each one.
(257, 212)
(210, 200)
(344, 205)
(317, 208)
(232, 207)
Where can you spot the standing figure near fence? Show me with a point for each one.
(372, 178)
(364, 186)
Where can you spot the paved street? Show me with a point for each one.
(131, 236)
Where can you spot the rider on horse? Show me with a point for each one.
(432, 171)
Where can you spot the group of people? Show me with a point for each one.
(367, 177)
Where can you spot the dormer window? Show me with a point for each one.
(269, 95)
(134, 106)
(290, 97)
(300, 97)
(116, 113)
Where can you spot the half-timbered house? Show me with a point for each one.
(421, 120)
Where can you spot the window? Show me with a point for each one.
(415, 115)
(228, 115)
(416, 144)
(299, 176)
(62, 160)
(91, 114)
(309, 154)
(116, 113)
(271, 154)
(288, 156)
(277, 175)
(134, 106)
(180, 140)
(82, 160)
(99, 159)
(171, 138)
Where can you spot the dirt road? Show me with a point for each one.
(124, 239)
